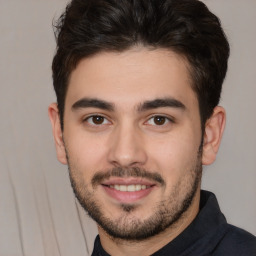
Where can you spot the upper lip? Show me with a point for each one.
(128, 181)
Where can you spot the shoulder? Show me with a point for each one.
(236, 242)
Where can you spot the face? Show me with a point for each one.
(132, 137)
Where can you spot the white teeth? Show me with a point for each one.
(129, 188)
(123, 188)
(138, 187)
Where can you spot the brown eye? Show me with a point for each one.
(159, 120)
(98, 120)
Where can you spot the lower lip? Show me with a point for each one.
(127, 197)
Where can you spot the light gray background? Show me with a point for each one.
(38, 212)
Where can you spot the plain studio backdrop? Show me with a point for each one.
(38, 212)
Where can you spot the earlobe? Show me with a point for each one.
(53, 113)
(214, 128)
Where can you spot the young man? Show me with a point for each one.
(138, 84)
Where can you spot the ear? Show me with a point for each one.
(53, 113)
(214, 128)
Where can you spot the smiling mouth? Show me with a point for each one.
(129, 188)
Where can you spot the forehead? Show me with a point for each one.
(131, 77)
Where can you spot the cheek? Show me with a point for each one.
(174, 155)
(86, 153)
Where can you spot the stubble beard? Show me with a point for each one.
(165, 213)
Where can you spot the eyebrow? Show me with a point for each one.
(161, 103)
(92, 103)
(147, 105)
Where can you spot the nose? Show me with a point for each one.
(127, 148)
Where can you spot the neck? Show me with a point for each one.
(148, 246)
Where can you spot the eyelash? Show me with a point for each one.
(104, 119)
(96, 116)
(166, 120)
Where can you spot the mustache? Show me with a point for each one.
(136, 172)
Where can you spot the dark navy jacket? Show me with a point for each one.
(209, 234)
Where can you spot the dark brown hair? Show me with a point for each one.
(186, 27)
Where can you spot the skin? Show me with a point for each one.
(129, 136)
